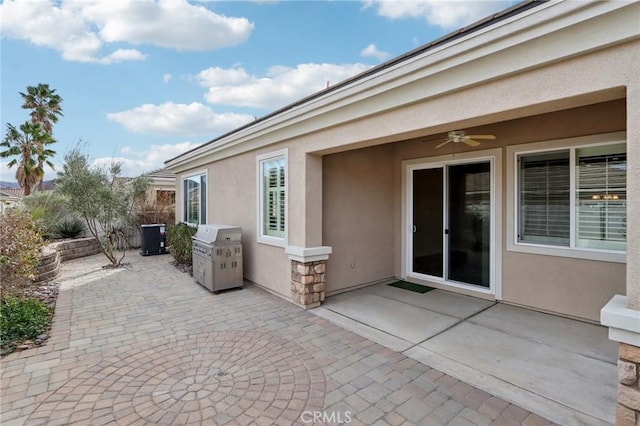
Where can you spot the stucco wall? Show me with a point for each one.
(358, 216)
(233, 201)
(571, 287)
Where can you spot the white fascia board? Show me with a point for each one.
(159, 180)
(551, 32)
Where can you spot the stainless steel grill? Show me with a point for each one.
(217, 257)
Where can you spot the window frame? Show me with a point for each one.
(203, 191)
(573, 250)
(263, 237)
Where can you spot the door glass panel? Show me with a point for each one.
(427, 222)
(469, 222)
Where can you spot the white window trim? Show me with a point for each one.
(513, 244)
(261, 237)
(183, 195)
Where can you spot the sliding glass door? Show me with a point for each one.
(451, 229)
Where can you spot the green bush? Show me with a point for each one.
(21, 244)
(179, 240)
(22, 319)
(70, 227)
(47, 207)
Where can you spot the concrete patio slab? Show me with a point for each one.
(582, 384)
(443, 302)
(407, 322)
(588, 340)
(557, 367)
(385, 339)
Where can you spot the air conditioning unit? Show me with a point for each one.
(154, 239)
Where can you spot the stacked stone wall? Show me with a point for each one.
(628, 408)
(56, 253)
(74, 249)
(307, 283)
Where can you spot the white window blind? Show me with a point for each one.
(274, 197)
(544, 195)
(601, 197)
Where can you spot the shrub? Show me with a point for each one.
(20, 246)
(22, 319)
(102, 198)
(47, 207)
(70, 228)
(179, 240)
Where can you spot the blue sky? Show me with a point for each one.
(143, 81)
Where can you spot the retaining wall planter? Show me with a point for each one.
(56, 253)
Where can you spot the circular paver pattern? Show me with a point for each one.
(209, 378)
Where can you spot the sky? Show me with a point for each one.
(143, 81)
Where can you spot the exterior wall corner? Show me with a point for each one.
(624, 327)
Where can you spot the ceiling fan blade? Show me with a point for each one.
(443, 143)
(486, 137)
(471, 142)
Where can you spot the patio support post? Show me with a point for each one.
(308, 275)
(622, 313)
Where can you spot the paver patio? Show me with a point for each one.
(147, 345)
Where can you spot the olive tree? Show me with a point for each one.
(102, 198)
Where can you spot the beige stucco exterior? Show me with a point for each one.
(160, 181)
(559, 70)
(362, 198)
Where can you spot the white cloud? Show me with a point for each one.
(174, 24)
(79, 29)
(135, 162)
(216, 76)
(45, 24)
(178, 119)
(373, 52)
(280, 86)
(121, 55)
(447, 14)
(167, 77)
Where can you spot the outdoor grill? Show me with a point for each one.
(217, 257)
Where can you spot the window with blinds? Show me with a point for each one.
(194, 193)
(598, 216)
(544, 196)
(601, 188)
(274, 197)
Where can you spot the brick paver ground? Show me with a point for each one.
(146, 345)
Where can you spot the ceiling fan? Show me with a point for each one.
(457, 136)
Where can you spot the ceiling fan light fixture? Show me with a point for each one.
(457, 136)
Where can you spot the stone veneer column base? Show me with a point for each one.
(624, 327)
(308, 267)
(307, 283)
(628, 408)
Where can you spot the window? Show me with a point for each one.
(544, 198)
(165, 197)
(194, 195)
(601, 193)
(272, 171)
(574, 197)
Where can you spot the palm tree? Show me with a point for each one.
(45, 106)
(29, 144)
